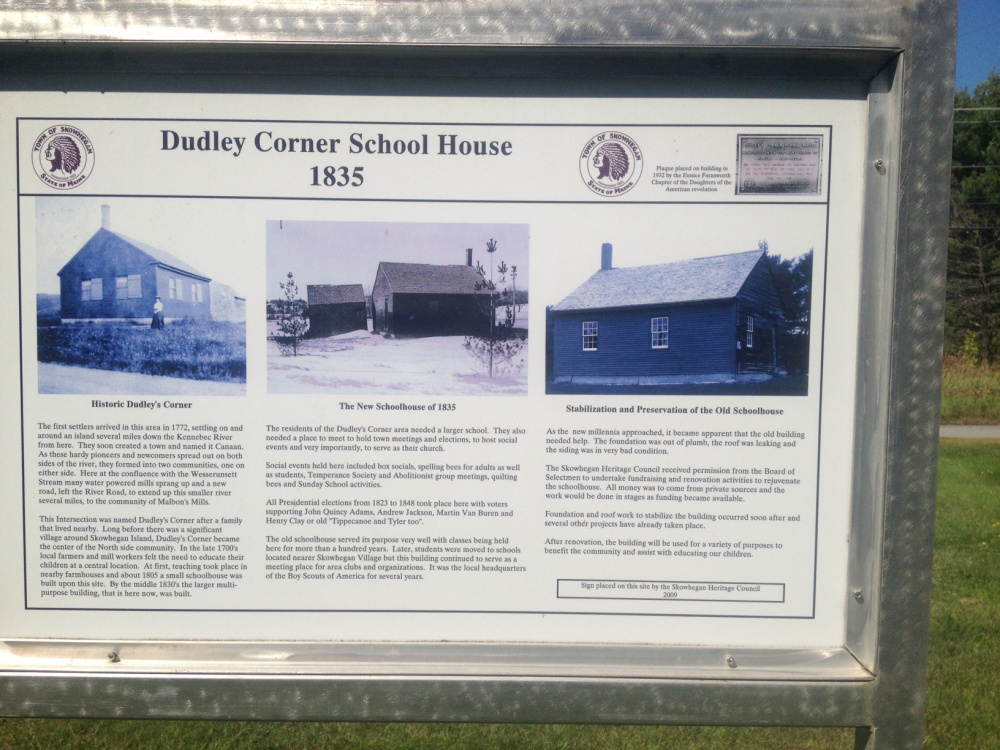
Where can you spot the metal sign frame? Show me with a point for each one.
(901, 52)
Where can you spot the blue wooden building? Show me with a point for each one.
(115, 277)
(707, 319)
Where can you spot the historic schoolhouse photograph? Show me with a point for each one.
(131, 317)
(731, 323)
(397, 308)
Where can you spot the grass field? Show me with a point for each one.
(970, 394)
(963, 702)
(963, 707)
(200, 350)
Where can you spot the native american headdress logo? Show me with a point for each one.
(63, 157)
(610, 163)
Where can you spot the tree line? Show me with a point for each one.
(972, 306)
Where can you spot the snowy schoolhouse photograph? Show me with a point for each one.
(726, 323)
(122, 314)
(397, 308)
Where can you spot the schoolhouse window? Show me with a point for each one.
(121, 287)
(134, 286)
(172, 288)
(198, 296)
(749, 331)
(660, 330)
(590, 336)
(91, 289)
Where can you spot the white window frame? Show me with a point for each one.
(659, 329)
(172, 288)
(121, 287)
(134, 286)
(590, 335)
(85, 288)
(96, 289)
(749, 331)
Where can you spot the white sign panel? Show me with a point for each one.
(419, 369)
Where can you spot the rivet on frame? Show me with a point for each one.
(880, 166)
(858, 596)
(731, 662)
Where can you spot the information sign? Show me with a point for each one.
(513, 393)
(460, 409)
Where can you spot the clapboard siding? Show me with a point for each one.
(701, 341)
(711, 303)
(758, 292)
(758, 298)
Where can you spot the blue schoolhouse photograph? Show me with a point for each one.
(732, 322)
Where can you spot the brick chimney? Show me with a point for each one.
(106, 217)
(606, 256)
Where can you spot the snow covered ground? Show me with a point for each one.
(362, 362)
(53, 378)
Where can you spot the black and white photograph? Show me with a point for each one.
(397, 308)
(134, 310)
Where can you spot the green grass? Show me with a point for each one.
(963, 706)
(200, 350)
(963, 701)
(969, 394)
(38, 734)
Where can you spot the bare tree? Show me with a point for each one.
(499, 345)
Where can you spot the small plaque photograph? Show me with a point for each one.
(779, 164)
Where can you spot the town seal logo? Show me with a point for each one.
(610, 163)
(63, 157)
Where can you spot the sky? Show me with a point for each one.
(978, 41)
(327, 252)
(198, 233)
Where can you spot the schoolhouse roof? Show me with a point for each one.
(334, 294)
(694, 280)
(106, 241)
(426, 278)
